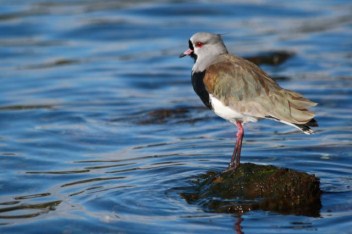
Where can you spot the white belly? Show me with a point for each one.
(227, 113)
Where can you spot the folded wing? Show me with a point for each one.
(245, 88)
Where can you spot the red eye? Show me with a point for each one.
(199, 44)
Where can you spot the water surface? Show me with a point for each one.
(81, 81)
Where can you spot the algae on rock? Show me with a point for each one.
(257, 187)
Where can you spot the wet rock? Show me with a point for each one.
(26, 107)
(56, 63)
(174, 115)
(257, 187)
(271, 58)
(161, 115)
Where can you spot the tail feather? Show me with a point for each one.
(299, 108)
(306, 127)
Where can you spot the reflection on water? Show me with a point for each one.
(100, 129)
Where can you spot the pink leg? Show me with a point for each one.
(236, 155)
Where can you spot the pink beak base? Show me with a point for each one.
(187, 52)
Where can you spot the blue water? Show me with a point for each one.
(80, 81)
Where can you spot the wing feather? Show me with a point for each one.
(247, 89)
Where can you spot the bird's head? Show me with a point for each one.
(202, 45)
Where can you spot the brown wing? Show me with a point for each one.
(245, 88)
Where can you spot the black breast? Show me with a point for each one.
(199, 88)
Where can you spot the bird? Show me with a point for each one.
(239, 91)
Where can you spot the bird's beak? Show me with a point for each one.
(187, 52)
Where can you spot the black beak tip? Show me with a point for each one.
(182, 55)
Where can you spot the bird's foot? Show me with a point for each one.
(233, 166)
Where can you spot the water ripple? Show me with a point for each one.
(100, 130)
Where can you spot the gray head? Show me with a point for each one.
(204, 48)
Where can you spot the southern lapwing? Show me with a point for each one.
(240, 92)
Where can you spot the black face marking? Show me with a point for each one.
(193, 55)
(190, 45)
(199, 88)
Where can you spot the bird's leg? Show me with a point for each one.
(236, 155)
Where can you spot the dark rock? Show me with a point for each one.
(162, 115)
(174, 115)
(257, 187)
(271, 58)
